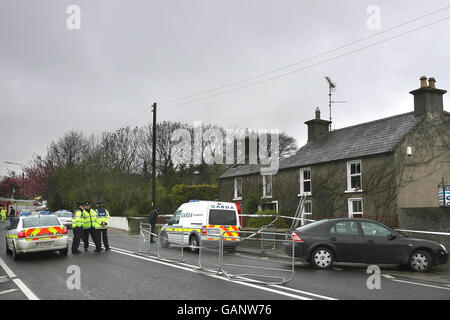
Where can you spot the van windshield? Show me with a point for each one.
(222, 217)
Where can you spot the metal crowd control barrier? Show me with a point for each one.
(261, 257)
(210, 248)
(145, 246)
(168, 245)
(171, 243)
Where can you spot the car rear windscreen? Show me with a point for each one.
(40, 221)
(310, 225)
(222, 217)
(65, 214)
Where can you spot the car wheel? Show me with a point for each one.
(164, 240)
(322, 258)
(8, 251)
(193, 243)
(15, 255)
(64, 252)
(420, 261)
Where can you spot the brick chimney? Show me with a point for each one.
(428, 100)
(317, 126)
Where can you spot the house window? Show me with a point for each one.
(267, 186)
(354, 176)
(307, 212)
(270, 206)
(355, 208)
(238, 188)
(305, 181)
(307, 207)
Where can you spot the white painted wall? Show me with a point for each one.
(119, 223)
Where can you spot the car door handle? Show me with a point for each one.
(370, 241)
(333, 239)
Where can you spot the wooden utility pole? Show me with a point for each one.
(154, 158)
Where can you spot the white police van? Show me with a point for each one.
(192, 219)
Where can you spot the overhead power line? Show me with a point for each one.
(306, 59)
(306, 67)
(167, 105)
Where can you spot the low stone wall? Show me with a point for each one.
(426, 219)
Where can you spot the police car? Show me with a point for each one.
(203, 220)
(65, 217)
(36, 233)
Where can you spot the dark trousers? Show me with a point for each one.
(152, 226)
(77, 235)
(94, 236)
(103, 233)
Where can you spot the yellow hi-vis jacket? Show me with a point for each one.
(3, 214)
(78, 219)
(89, 218)
(102, 217)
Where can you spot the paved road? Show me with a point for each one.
(121, 274)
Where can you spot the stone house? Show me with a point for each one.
(369, 170)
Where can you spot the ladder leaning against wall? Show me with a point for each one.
(299, 213)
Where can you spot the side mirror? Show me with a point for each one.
(391, 237)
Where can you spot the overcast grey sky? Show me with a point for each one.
(129, 54)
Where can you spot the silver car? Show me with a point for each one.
(65, 217)
(36, 233)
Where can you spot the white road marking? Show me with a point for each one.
(388, 276)
(8, 291)
(121, 251)
(30, 295)
(422, 284)
(189, 268)
(303, 292)
(26, 291)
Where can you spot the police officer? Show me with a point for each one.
(77, 225)
(153, 216)
(12, 215)
(3, 214)
(102, 224)
(89, 222)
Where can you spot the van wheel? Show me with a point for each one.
(193, 243)
(164, 240)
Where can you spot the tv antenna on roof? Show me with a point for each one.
(332, 87)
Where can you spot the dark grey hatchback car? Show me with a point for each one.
(366, 241)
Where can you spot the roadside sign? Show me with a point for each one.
(444, 197)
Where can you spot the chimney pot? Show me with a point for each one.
(423, 82)
(428, 99)
(317, 113)
(431, 83)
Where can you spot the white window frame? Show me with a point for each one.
(236, 188)
(349, 176)
(264, 186)
(273, 202)
(350, 207)
(302, 191)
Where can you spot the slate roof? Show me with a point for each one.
(370, 138)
